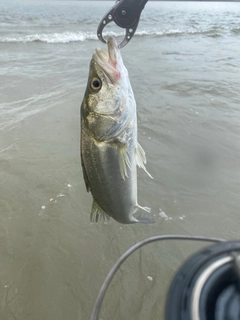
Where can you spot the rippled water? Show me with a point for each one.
(185, 71)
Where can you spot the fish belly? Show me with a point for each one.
(116, 196)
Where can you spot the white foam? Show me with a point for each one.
(60, 195)
(64, 37)
(68, 36)
(182, 217)
(163, 215)
(161, 32)
(16, 111)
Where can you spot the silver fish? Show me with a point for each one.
(109, 147)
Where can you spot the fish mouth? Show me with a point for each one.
(109, 61)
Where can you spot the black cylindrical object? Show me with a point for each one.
(207, 286)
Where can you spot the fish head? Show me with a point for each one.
(108, 83)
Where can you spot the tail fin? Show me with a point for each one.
(142, 218)
(145, 219)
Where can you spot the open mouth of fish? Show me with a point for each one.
(108, 61)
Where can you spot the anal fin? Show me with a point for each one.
(98, 214)
(141, 158)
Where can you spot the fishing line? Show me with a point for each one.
(101, 294)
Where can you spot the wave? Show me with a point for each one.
(236, 30)
(64, 37)
(67, 37)
(16, 111)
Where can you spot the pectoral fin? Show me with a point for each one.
(123, 159)
(141, 158)
(97, 213)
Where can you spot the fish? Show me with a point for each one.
(110, 152)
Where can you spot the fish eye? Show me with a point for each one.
(96, 84)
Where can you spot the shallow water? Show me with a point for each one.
(185, 72)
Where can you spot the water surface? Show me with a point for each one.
(184, 67)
